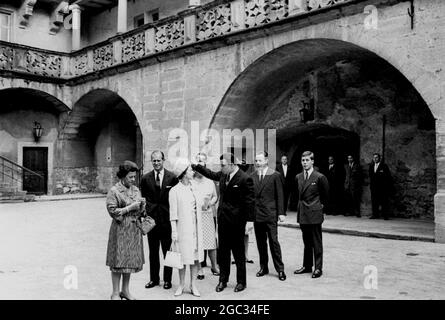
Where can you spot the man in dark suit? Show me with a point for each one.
(381, 186)
(313, 193)
(155, 187)
(283, 170)
(236, 207)
(269, 208)
(353, 187)
(335, 177)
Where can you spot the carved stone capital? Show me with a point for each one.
(26, 12)
(58, 16)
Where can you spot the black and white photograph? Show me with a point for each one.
(251, 151)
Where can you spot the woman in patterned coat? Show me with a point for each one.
(125, 253)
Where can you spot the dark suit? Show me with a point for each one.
(236, 207)
(287, 183)
(313, 194)
(353, 189)
(336, 178)
(269, 205)
(159, 209)
(381, 187)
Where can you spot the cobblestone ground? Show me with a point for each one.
(39, 240)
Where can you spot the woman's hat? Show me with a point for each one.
(181, 164)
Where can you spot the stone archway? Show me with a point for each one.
(346, 87)
(100, 133)
(20, 109)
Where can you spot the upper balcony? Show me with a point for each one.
(197, 25)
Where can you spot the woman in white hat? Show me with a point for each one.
(185, 218)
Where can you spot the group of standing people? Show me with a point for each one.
(192, 217)
(346, 183)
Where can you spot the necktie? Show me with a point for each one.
(261, 177)
(158, 181)
(227, 179)
(305, 175)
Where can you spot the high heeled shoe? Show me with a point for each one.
(179, 291)
(125, 297)
(195, 292)
(215, 272)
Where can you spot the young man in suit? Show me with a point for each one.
(381, 187)
(283, 170)
(269, 208)
(236, 207)
(155, 187)
(353, 187)
(313, 193)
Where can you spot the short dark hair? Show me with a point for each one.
(230, 157)
(126, 168)
(158, 151)
(264, 153)
(308, 154)
(377, 154)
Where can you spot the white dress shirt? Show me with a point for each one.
(284, 166)
(161, 176)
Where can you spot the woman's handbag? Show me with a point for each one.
(146, 224)
(173, 259)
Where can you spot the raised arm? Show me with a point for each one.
(207, 172)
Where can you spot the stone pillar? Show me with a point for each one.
(76, 27)
(439, 197)
(194, 3)
(122, 16)
(237, 14)
(189, 29)
(297, 6)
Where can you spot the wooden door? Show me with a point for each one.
(35, 159)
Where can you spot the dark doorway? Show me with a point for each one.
(36, 160)
(323, 142)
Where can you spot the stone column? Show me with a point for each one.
(122, 16)
(439, 197)
(76, 10)
(194, 3)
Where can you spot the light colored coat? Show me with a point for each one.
(181, 200)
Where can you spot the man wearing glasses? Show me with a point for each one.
(155, 187)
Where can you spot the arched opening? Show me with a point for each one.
(99, 135)
(344, 92)
(20, 110)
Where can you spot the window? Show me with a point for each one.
(5, 26)
(139, 21)
(152, 15)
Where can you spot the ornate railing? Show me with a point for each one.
(216, 19)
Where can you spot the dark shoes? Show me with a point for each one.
(249, 261)
(303, 270)
(151, 284)
(215, 272)
(317, 273)
(220, 287)
(167, 285)
(240, 287)
(200, 277)
(262, 272)
(373, 217)
(281, 275)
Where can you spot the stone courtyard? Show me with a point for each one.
(43, 244)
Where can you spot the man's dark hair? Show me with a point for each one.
(308, 154)
(230, 157)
